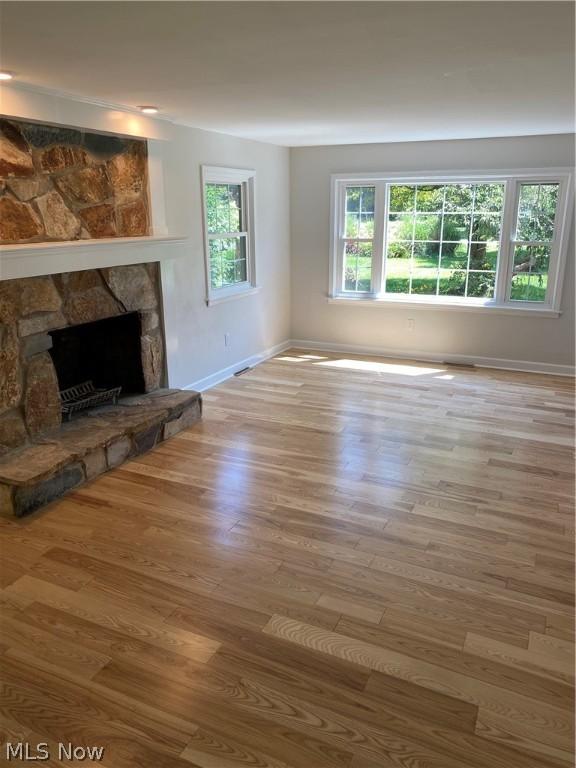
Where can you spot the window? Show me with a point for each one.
(474, 241)
(536, 214)
(229, 232)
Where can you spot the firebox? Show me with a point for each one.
(105, 352)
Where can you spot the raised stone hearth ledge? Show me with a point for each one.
(32, 259)
(90, 445)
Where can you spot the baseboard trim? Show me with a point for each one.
(526, 366)
(226, 373)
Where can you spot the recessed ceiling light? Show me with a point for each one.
(148, 110)
(6, 75)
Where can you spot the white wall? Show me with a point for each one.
(437, 332)
(194, 332)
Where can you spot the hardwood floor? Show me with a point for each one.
(351, 563)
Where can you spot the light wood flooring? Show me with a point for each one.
(350, 563)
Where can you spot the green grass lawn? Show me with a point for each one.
(452, 281)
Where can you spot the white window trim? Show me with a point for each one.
(500, 304)
(213, 174)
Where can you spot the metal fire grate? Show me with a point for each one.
(85, 395)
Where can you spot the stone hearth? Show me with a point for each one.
(64, 458)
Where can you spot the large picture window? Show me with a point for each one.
(487, 241)
(228, 224)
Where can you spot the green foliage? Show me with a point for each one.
(429, 198)
(402, 198)
(531, 258)
(358, 266)
(529, 287)
(482, 256)
(399, 251)
(454, 284)
(481, 284)
(537, 212)
(360, 212)
(227, 261)
(489, 197)
(425, 286)
(223, 207)
(459, 197)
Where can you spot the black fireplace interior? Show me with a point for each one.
(106, 352)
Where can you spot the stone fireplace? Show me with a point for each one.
(58, 331)
(55, 318)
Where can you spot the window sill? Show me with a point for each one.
(459, 306)
(213, 300)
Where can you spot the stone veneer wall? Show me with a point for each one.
(65, 184)
(32, 306)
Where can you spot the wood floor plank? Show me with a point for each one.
(350, 562)
(439, 679)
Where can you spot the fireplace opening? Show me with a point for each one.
(106, 353)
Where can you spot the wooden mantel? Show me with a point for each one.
(34, 259)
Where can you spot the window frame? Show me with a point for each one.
(512, 179)
(246, 179)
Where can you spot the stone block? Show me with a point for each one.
(12, 431)
(190, 416)
(102, 145)
(39, 135)
(146, 439)
(152, 361)
(85, 185)
(10, 292)
(149, 321)
(95, 463)
(11, 388)
(59, 221)
(127, 173)
(73, 282)
(83, 435)
(33, 345)
(118, 451)
(60, 157)
(15, 156)
(26, 189)
(42, 408)
(93, 304)
(39, 294)
(133, 219)
(127, 421)
(132, 286)
(33, 464)
(99, 220)
(174, 401)
(18, 221)
(44, 321)
(29, 498)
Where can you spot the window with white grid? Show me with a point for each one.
(229, 231)
(493, 240)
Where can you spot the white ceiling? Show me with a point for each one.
(300, 73)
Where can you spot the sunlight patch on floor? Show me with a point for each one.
(375, 367)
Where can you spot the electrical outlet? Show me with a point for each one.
(411, 323)
(226, 339)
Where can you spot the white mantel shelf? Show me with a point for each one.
(34, 259)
